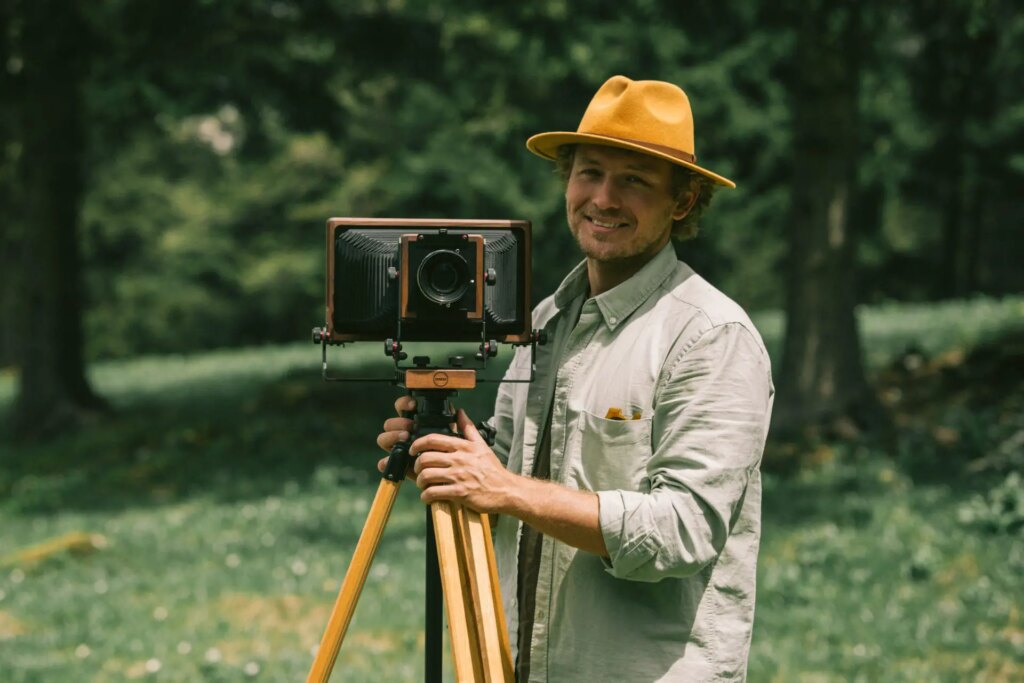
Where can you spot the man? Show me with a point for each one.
(626, 476)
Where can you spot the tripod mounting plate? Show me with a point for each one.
(440, 379)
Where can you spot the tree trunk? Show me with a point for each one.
(949, 282)
(8, 192)
(822, 372)
(53, 391)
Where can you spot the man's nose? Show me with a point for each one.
(606, 195)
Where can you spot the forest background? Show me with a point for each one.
(166, 170)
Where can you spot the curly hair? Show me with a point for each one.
(683, 180)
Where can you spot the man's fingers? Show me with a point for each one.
(467, 428)
(435, 442)
(396, 429)
(387, 440)
(432, 477)
(430, 460)
(404, 404)
(432, 494)
(381, 464)
(397, 424)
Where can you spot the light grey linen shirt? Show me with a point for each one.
(679, 488)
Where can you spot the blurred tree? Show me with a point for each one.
(48, 52)
(822, 373)
(942, 117)
(966, 80)
(8, 191)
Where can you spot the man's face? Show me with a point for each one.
(619, 203)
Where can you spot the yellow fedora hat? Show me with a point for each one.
(652, 117)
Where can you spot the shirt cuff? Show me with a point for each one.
(628, 548)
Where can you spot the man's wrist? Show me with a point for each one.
(517, 496)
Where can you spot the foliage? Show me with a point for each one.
(210, 171)
(1001, 510)
(866, 575)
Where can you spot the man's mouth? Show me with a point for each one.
(607, 224)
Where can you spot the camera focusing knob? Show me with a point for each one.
(393, 349)
(488, 349)
(421, 361)
(392, 273)
(486, 431)
(492, 276)
(456, 361)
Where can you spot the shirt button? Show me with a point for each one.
(613, 320)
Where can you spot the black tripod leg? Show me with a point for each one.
(434, 611)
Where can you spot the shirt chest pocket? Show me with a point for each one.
(613, 454)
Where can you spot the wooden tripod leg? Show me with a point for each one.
(454, 597)
(352, 585)
(499, 610)
(486, 596)
(470, 597)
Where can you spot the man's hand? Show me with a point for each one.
(464, 470)
(396, 429)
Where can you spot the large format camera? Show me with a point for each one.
(428, 280)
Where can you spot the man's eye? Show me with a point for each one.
(637, 180)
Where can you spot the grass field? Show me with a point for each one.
(200, 534)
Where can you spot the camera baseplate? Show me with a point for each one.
(422, 373)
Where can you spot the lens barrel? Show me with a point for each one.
(443, 276)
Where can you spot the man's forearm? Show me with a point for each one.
(569, 515)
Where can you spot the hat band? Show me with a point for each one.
(664, 149)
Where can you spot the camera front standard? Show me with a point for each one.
(428, 279)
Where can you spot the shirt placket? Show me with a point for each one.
(573, 356)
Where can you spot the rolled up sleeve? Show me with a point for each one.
(710, 421)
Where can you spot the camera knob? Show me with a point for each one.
(456, 361)
(421, 361)
(318, 335)
(488, 349)
(492, 276)
(392, 347)
(486, 431)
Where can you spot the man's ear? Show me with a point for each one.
(684, 205)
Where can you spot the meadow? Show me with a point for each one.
(200, 532)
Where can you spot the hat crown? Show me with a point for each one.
(654, 112)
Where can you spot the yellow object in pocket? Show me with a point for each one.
(617, 414)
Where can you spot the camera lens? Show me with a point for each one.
(443, 276)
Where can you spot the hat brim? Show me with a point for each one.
(546, 145)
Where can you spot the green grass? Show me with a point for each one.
(229, 488)
(890, 329)
(867, 576)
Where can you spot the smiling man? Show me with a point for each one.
(621, 206)
(626, 477)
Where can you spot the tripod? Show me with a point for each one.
(460, 558)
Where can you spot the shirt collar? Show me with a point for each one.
(619, 302)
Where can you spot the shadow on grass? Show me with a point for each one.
(230, 443)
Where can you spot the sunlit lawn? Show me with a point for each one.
(225, 497)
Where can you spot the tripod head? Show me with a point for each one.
(434, 412)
